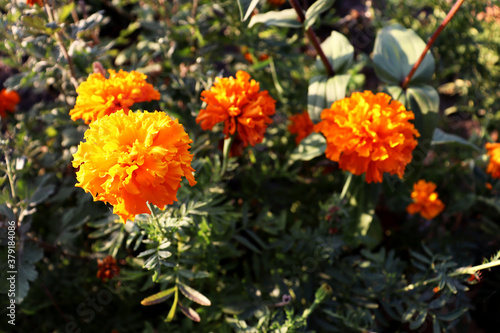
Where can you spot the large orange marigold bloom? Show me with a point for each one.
(8, 101)
(130, 159)
(493, 151)
(98, 96)
(240, 105)
(425, 200)
(369, 133)
(301, 125)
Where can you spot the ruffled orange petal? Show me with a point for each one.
(370, 134)
(135, 158)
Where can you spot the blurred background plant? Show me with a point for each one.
(265, 245)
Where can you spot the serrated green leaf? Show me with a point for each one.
(315, 10)
(26, 270)
(283, 18)
(339, 52)
(395, 52)
(194, 295)
(158, 297)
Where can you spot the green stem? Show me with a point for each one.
(313, 39)
(11, 177)
(225, 154)
(72, 75)
(347, 184)
(458, 271)
(447, 19)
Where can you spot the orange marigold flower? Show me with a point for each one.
(107, 268)
(8, 101)
(130, 159)
(263, 57)
(369, 133)
(425, 200)
(276, 3)
(494, 154)
(32, 2)
(300, 124)
(98, 96)
(240, 105)
(435, 290)
(248, 57)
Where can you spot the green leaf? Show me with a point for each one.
(397, 93)
(339, 52)
(26, 269)
(423, 100)
(158, 297)
(452, 315)
(363, 197)
(87, 24)
(65, 11)
(312, 146)
(441, 138)
(315, 10)
(246, 8)
(395, 52)
(420, 257)
(194, 295)
(193, 275)
(323, 91)
(190, 313)
(419, 321)
(247, 243)
(171, 313)
(283, 18)
(41, 194)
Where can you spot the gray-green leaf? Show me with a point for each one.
(283, 18)
(396, 50)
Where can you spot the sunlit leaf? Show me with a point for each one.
(194, 295)
(283, 18)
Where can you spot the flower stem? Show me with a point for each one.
(431, 41)
(72, 76)
(225, 154)
(313, 39)
(458, 271)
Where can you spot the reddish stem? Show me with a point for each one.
(447, 19)
(313, 39)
